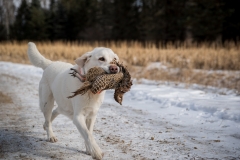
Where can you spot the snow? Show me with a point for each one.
(156, 65)
(156, 121)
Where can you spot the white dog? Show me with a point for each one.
(56, 84)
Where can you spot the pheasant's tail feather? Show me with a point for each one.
(81, 91)
(86, 86)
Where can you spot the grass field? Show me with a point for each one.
(192, 62)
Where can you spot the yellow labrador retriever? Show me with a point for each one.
(56, 85)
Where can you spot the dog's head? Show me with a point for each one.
(99, 57)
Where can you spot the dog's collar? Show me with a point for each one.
(79, 73)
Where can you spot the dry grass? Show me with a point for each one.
(203, 56)
(179, 55)
(221, 79)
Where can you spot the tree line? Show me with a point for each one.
(142, 20)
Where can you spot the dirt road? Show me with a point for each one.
(22, 135)
(121, 132)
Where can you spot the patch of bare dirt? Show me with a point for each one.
(5, 98)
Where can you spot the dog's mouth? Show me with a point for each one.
(111, 69)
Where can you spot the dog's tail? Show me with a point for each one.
(36, 58)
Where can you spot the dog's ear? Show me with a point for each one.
(83, 59)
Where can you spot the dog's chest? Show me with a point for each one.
(92, 104)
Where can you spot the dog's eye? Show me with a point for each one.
(101, 59)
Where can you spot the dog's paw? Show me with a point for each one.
(53, 139)
(97, 157)
(97, 154)
(88, 153)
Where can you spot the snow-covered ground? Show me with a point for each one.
(156, 121)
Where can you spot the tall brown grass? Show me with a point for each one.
(185, 56)
(204, 56)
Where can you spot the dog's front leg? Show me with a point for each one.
(90, 124)
(91, 145)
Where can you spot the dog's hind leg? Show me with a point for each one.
(46, 104)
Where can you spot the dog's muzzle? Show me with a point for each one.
(113, 69)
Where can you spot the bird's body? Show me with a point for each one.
(98, 80)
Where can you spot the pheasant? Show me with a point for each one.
(98, 80)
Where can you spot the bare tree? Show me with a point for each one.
(7, 14)
(44, 3)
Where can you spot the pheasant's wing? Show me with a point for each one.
(91, 76)
(106, 81)
(94, 72)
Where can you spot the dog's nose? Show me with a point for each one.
(113, 69)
